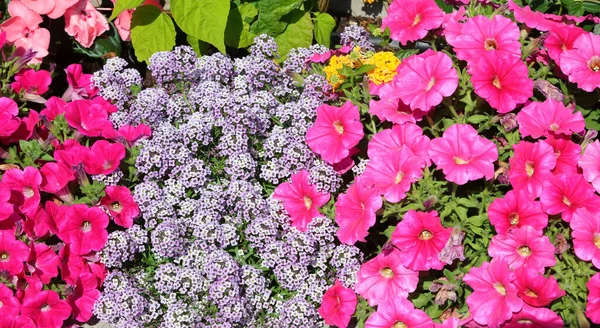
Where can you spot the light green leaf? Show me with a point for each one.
(151, 31)
(324, 25)
(122, 5)
(477, 118)
(205, 19)
(299, 33)
(270, 13)
(200, 47)
(237, 32)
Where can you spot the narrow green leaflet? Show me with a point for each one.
(324, 25)
(299, 33)
(151, 31)
(237, 32)
(270, 13)
(122, 5)
(205, 19)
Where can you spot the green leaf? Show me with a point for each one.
(205, 20)
(237, 32)
(122, 5)
(200, 47)
(324, 25)
(477, 118)
(151, 31)
(591, 6)
(270, 13)
(297, 34)
(444, 6)
(364, 69)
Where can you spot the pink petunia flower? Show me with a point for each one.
(494, 297)
(590, 164)
(72, 265)
(592, 308)
(586, 235)
(301, 199)
(399, 136)
(89, 119)
(514, 211)
(463, 155)
(531, 164)
(534, 317)
(384, 277)
(542, 21)
(565, 193)
(398, 312)
(355, 212)
(535, 289)
(70, 153)
(121, 205)
(523, 247)
(46, 309)
(582, 63)
(452, 24)
(85, 229)
(25, 188)
(338, 305)
(103, 157)
(547, 118)
(502, 80)
(13, 253)
(22, 29)
(9, 122)
(26, 128)
(6, 208)
(80, 84)
(420, 236)
(391, 108)
(54, 107)
(567, 154)
(560, 39)
(42, 262)
(133, 134)
(32, 81)
(411, 20)
(19, 321)
(83, 297)
(481, 35)
(10, 304)
(424, 80)
(394, 174)
(55, 177)
(85, 23)
(335, 132)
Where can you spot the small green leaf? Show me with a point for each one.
(477, 118)
(364, 69)
(270, 13)
(324, 25)
(205, 20)
(122, 5)
(297, 34)
(237, 32)
(151, 31)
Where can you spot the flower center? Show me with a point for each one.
(417, 20)
(490, 44)
(514, 218)
(387, 272)
(45, 308)
(500, 288)
(28, 192)
(425, 235)
(530, 293)
(459, 160)
(4, 257)
(307, 202)
(106, 165)
(496, 82)
(566, 201)
(339, 127)
(116, 207)
(597, 240)
(594, 64)
(399, 177)
(431, 84)
(554, 127)
(86, 226)
(400, 324)
(529, 168)
(524, 251)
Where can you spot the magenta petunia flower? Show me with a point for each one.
(494, 297)
(531, 164)
(335, 132)
(84, 296)
(567, 154)
(523, 247)
(13, 253)
(32, 81)
(535, 289)
(481, 35)
(391, 108)
(586, 235)
(399, 136)
(6, 208)
(9, 122)
(394, 174)
(103, 157)
(424, 80)
(463, 155)
(515, 210)
(24, 185)
(56, 177)
(411, 20)
(502, 80)
(355, 212)
(338, 305)
(565, 193)
(534, 317)
(592, 308)
(398, 312)
(300, 199)
(384, 277)
(85, 229)
(421, 237)
(590, 164)
(19, 321)
(10, 304)
(46, 309)
(547, 118)
(42, 262)
(560, 39)
(121, 206)
(133, 134)
(54, 107)
(70, 153)
(582, 63)
(88, 118)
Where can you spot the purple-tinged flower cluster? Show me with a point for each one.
(356, 36)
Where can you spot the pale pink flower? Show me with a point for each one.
(515, 210)
(60, 7)
(399, 136)
(531, 164)
(586, 235)
(463, 155)
(567, 154)
(582, 63)
(565, 193)
(355, 212)
(592, 308)
(523, 247)
(535, 289)
(590, 164)
(547, 118)
(85, 23)
(22, 29)
(411, 20)
(338, 305)
(398, 312)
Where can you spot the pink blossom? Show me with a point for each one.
(25, 129)
(22, 29)
(6, 208)
(523, 247)
(89, 119)
(123, 24)
(61, 7)
(452, 24)
(531, 164)
(32, 81)
(121, 205)
(30, 226)
(550, 117)
(336, 130)
(384, 277)
(83, 297)
(103, 158)
(85, 229)
(355, 212)
(9, 122)
(481, 35)
(72, 265)
(565, 193)
(586, 235)
(502, 80)
(399, 136)
(300, 199)
(535, 289)
(567, 154)
(46, 309)
(134, 133)
(592, 309)
(582, 63)
(494, 297)
(534, 317)
(10, 304)
(13, 253)
(42, 262)
(338, 305)
(25, 187)
(411, 20)
(54, 107)
(55, 177)
(463, 155)
(391, 108)
(514, 211)
(560, 39)
(398, 312)
(421, 237)
(394, 174)
(424, 80)
(19, 321)
(80, 85)
(85, 23)
(41, 7)
(590, 164)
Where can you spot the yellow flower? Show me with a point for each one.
(385, 67)
(336, 63)
(369, 1)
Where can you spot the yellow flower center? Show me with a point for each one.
(530, 293)
(425, 235)
(496, 82)
(387, 272)
(431, 84)
(597, 240)
(566, 201)
(500, 288)
(399, 177)
(529, 168)
(514, 218)
(28, 192)
(459, 160)
(307, 202)
(554, 127)
(417, 20)
(339, 127)
(490, 44)
(594, 64)
(400, 324)
(524, 251)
